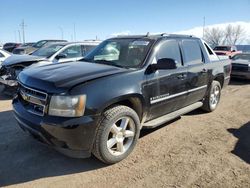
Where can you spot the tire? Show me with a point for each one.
(213, 98)
(117, 134)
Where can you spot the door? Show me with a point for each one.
(72, 53)
(166, 89)
(198, 74)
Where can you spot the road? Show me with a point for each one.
(197, 150)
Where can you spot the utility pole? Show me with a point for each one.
(15, 35)
(61, 29)
(22, 27)
(19, 34)
(204, 24)
(74, 32)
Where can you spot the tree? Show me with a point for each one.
(214, 36)
(230, 35)
(234, 34)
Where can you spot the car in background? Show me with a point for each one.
(31, 48)
(229, 51)
(10, 46)
(54, 53)
(243, 48)
(241, 66)
(3, 55)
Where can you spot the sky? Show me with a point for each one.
(49, 19)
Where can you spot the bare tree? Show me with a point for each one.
(231, 35)
(234, 34)
(214, 36)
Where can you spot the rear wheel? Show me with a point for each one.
(213, 98)
(117, 134)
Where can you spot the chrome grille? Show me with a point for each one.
(33, 100)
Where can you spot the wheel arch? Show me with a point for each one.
(133, 101)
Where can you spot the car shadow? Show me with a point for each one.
(238, 81)
(242, 147)
(24, 159)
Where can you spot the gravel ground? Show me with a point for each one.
(197, 150)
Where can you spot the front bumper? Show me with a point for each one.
(4, 80)
(73, 137)
(240, 74)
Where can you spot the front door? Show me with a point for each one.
(166, 89)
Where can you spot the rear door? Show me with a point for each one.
(197, 73)
(166, 89)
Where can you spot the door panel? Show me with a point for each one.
(197, 72)
(166, 90)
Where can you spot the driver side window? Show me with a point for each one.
(72, 52)
(169, 49)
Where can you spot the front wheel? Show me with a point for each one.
(213, 98)
(117, 134)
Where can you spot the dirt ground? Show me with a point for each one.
(197, 150)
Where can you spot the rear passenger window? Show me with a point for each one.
(192, 52)
(169, 49)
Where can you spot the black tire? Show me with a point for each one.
(105, 134)
(208, 105)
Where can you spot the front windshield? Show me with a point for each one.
(48, 50)
(222, 48)
(39, 44)
(242, 56)
(127, 53)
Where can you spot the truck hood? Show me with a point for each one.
(61, 77)
(21, 59)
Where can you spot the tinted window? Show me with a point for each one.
(73, 51)
(169, 49)
(192, 52)
(222, 48)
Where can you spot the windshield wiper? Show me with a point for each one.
(105, 62)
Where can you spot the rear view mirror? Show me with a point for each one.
(164, 63)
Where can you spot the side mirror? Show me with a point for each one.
(165, 63)
(61, 56)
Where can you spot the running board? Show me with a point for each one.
(168, 117)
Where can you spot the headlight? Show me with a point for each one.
(67, 106)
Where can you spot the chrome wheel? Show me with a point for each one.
(215, 96)
(121, 136)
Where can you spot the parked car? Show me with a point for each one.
(3, 56)
(10, 46)
(243, 48)
(229, 51)
(31, 48)
(100, 104)
(241, 66)
(55, 52)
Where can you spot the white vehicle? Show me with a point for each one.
(54, 53)
(3, 55)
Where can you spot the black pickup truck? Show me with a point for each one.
(99, 105)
